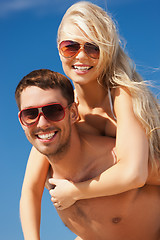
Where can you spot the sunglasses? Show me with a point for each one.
(70, 48)
(54, 112)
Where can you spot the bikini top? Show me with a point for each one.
(110, 102)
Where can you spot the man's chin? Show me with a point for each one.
(44, 150)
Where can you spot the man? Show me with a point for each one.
(48, 116)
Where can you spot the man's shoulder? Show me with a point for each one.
(99, 142)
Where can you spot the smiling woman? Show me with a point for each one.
(98, 79)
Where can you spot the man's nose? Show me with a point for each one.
(42, 121)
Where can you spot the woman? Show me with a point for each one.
(112, 99)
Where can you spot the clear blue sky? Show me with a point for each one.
(28, 30)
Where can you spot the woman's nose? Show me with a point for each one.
(81, 53)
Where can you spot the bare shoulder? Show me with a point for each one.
(121, 91)
(102, 144)
(121, 95)
(123, 106)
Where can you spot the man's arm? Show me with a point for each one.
(31, 195)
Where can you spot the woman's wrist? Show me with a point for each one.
(76, 192)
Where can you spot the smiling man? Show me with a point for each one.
(51, 140)
(48, 115)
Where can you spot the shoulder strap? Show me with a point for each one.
(111, 103)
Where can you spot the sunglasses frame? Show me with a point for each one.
(80, 47)
(40, 112)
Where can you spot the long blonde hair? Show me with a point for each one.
(117, 68)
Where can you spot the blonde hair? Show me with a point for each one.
(116, 68)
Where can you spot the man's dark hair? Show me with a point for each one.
(46, 79)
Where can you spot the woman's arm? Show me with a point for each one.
(131, 170)
(31, 195)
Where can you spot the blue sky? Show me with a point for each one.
(28, 32)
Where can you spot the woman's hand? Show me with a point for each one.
(63, 195)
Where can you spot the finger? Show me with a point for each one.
(62, 208)
(55, 204)
(53, 181)
(51, 192)
(53, 200)
(58, 205)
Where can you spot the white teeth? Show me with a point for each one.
(81, 68)
(46, 136)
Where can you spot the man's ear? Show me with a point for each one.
(74, 113)
(20, 121)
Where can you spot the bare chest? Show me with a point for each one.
(134, 215)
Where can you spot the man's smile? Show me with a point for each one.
(46, 136)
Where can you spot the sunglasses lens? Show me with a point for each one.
(68, 48)
(54, 112)
(29, 116)
(92, 50)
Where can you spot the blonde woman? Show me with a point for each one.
(112, 99)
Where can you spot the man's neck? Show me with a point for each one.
(65, 165)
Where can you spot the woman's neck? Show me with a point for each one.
(92, 94)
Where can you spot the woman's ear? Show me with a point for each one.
(60, 56)
(74, 113)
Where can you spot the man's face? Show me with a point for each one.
(50, 138)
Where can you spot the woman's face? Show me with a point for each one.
(80, 68)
